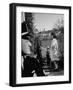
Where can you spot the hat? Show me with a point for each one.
(25, 33)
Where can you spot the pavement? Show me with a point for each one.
(54, 73)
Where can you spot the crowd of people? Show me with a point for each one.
(31, 64)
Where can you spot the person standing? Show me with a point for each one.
(29, 62)
(48, 57)
(54, 51)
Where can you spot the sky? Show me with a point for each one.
(46, 20)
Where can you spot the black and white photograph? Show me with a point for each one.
(40, 44)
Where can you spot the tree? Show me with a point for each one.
(59, 24)
(29, 21)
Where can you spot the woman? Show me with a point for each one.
(54, 51)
